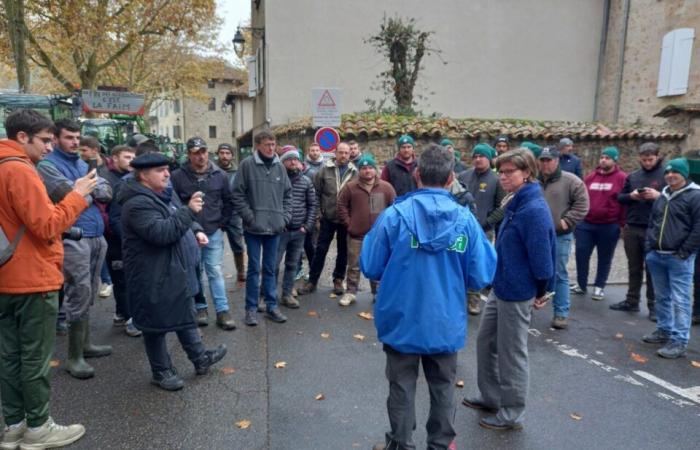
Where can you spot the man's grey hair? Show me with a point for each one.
(435, 165)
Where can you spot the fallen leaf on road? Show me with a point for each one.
(638, 358)
(320, 397)
(695, 364)
(280, 365)
(312, 313)
(243, 424)
(332, 295)
(460, 383)
(366, 315)
(325, 335)
(54, 363)
(619, 336)
(359, 337)
(575, 416)
(227, 371)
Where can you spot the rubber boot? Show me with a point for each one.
(239, 261)
(91, 350)
(76, 365)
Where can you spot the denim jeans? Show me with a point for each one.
(291, 243)
(672, 278)
(595, 235)
(267, 245)
(212, 261)
(105, 275)
(561, 279)
(157, 349)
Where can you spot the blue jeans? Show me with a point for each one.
(212, 261)
(291, 243)
(672, 278)
(157, 349)
(561, 279)
(595, 235)
(267, 245)
(104, 274)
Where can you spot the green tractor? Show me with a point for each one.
(54, 107)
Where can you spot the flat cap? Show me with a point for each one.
(148, 160)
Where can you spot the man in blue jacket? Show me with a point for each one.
(427, 251)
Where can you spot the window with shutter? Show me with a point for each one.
(674, 69)
(252, 76)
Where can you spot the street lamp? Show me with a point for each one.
(239, 39)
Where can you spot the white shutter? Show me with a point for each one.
(665, 66)
(252, 76)
(680, 68)
(260, 56)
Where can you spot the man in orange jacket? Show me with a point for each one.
(30, 280)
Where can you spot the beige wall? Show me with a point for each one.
(649, 21)
(242, 115)
(506, 58)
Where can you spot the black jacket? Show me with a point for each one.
(160, 253)
(638, 211)
(218, 202)
(674, 225)
(400, 177)
(304, 203)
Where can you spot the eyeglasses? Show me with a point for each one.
(507, 172)
(45, 140)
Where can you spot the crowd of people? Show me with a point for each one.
(437, 239)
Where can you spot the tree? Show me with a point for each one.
(12, 23)
(405, 46)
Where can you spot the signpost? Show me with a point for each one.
(325, 105)
(327, 138)
(113, 102)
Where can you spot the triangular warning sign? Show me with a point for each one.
(326, 99)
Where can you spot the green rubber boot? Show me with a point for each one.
(76, 365)
(91, 350)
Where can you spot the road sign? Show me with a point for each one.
(325, 105)
(113, 102)
(327, 138)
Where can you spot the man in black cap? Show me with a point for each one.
(198, 174)
(160, 251)
(501, 144)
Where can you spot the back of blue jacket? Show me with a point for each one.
(426, 250)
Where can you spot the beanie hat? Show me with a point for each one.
(289, 152)
(405, 139)
(565, 141)
(366, 160)
(534, 148)
(678, 165)
(445, 142)
(612, 152)
(484, 150)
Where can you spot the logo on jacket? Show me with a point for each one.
(601, 186)
(482, 187)
(459, 245)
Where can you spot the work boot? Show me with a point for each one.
(13, 435)
(209, 358)
(239, 261)
(251, 317)
(91, 350)
(289, 301)
(276, 315)
(494, 423)
(224, 321)
(559, 323)
(672, 350)
(657, 337)
(202, 317)
(624, 305)
(75, 364)
(473, 305)
(338, 286)
(51, 435)
(168, 380)
(307, 288)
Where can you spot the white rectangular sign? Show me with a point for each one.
(325, 107)
(113, 102)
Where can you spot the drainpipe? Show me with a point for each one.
(601, 57)
(623, 44)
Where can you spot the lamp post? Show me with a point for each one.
(239, 39)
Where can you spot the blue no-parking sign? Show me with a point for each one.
(327, 138)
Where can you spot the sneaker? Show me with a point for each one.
(338, 288)
(209, 358)
(131, 329)
(289, 301)
(262, 306)
(224, 321)
(276, 316)
(106, 290)
(118, 320)
(560, 323)
(598, 294)
(478, 405)
(657, 337)
(202, 317)
(168, 380)
(577, 290)
(347, 299)
(307, 288)
(624, 305)
(473, 306)
(51, 435)
(251, 318)
(494, 423)
(672, 350)
(12, 436)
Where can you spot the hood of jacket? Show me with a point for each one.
(12, 149)
(425, 213)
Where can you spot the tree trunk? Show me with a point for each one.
(14, 12)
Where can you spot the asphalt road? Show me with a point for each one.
(595, 385)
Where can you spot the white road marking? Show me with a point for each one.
(692, 394)
(629, 379)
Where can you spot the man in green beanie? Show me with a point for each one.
(673, 241)
(399, 171)
(534, 148)
(450, 146)
(484, 186)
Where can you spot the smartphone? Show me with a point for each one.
(548, 296)
(92, 164)
(640, 190)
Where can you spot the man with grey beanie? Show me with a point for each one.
(567, 160)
